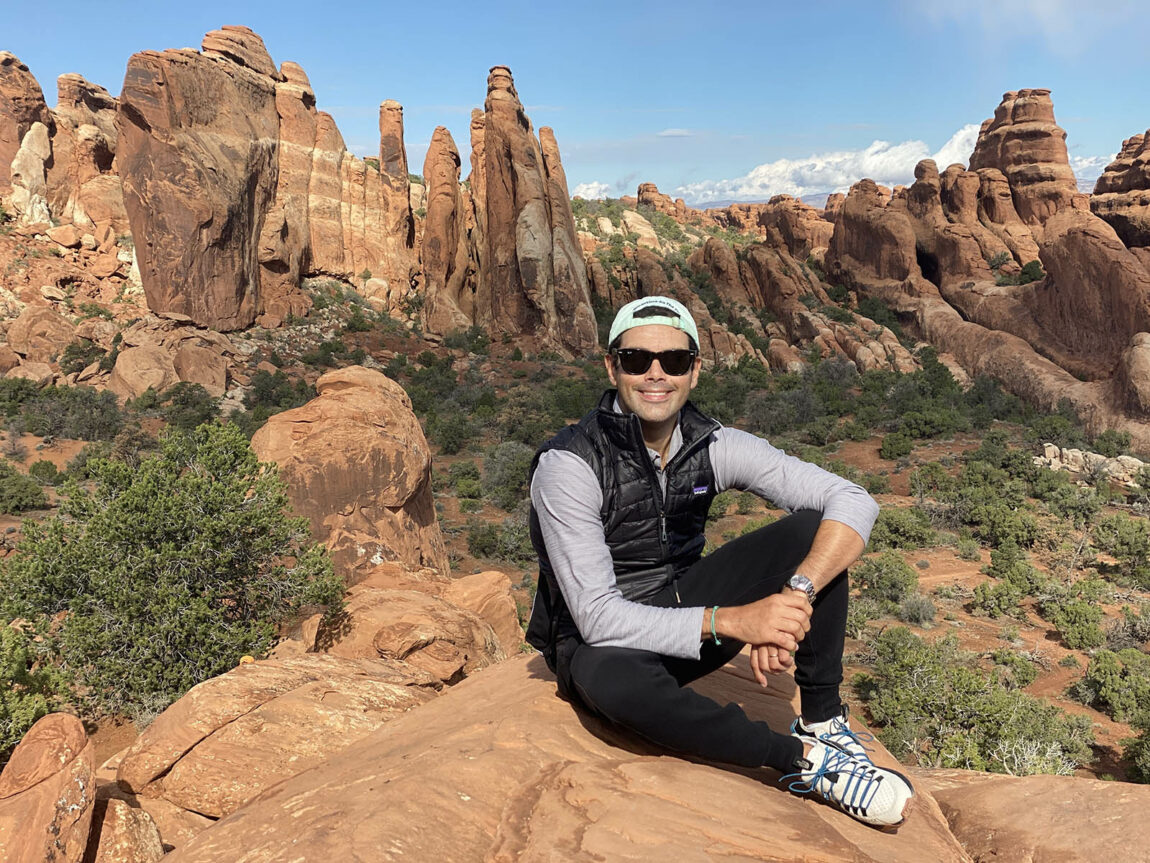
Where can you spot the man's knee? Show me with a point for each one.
(612, 680)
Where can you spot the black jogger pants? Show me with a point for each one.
(646, 693)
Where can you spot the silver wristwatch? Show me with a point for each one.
(798, 581)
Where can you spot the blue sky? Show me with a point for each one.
(721, 100)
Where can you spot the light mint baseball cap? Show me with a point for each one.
(654, 310)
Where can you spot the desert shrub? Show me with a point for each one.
(1112, 443)
(1117, 683)
(720, 504)
(1137, 749)
(26, 691)
(505, 473)
(357, 322)
(510, 540)
(1133, 630)
(1031, 272)
(77, 412)
(902, 527)
(1128, 540)
(885, 578)
(895, 446)
(474, 340)
(967, 549)
(78, 355)
(451, 430)
(1016, 579)
(860, 612)
(169, 572)
(1014, 671)
(14, 392)
(1077, 619)
(936, 706)
(464, 478)
(916, 608)
(44, 472)
(19, 492)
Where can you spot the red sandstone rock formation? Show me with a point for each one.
(47, 791)
(21, 105)
(256, 192)
(531, 276)
(83, 188)
(358, 466)
(1122, 194)
(236, 735)
(527, 778)
(650, 196)
(1025, 144)
(800, 225)
(449, 300)
(198, 146)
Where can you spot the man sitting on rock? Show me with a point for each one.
(628, 611)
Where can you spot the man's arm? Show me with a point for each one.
(567, 498)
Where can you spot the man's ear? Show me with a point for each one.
(695, 372)
(609, 362)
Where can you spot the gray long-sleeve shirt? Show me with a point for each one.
(567, 499)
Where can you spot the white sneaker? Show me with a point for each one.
(836, 730)
(873, 795)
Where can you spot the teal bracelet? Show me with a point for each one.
(714, 635)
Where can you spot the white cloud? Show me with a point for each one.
(591, 191)
(674, 133)
(1087, 169)
(884, 162)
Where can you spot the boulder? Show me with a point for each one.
(123, 834)
(358, 466)
(199, 365)
(40, 374)
(140, 368)
(415, 628)
(1023, 819)
(643, 230)
(519, 774)
(233, 736)
(488, 595)
(47, 792)
(40, 334)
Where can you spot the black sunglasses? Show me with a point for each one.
(636, 361)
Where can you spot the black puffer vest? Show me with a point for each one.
(652, 539)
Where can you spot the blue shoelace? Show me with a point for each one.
(862, 784)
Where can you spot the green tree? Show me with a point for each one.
(163, 575)
(26, 692)
(18, 492)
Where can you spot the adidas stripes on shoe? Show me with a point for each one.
(873, 795)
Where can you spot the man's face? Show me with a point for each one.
(654, 396)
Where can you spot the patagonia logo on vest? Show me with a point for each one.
(700, 489)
